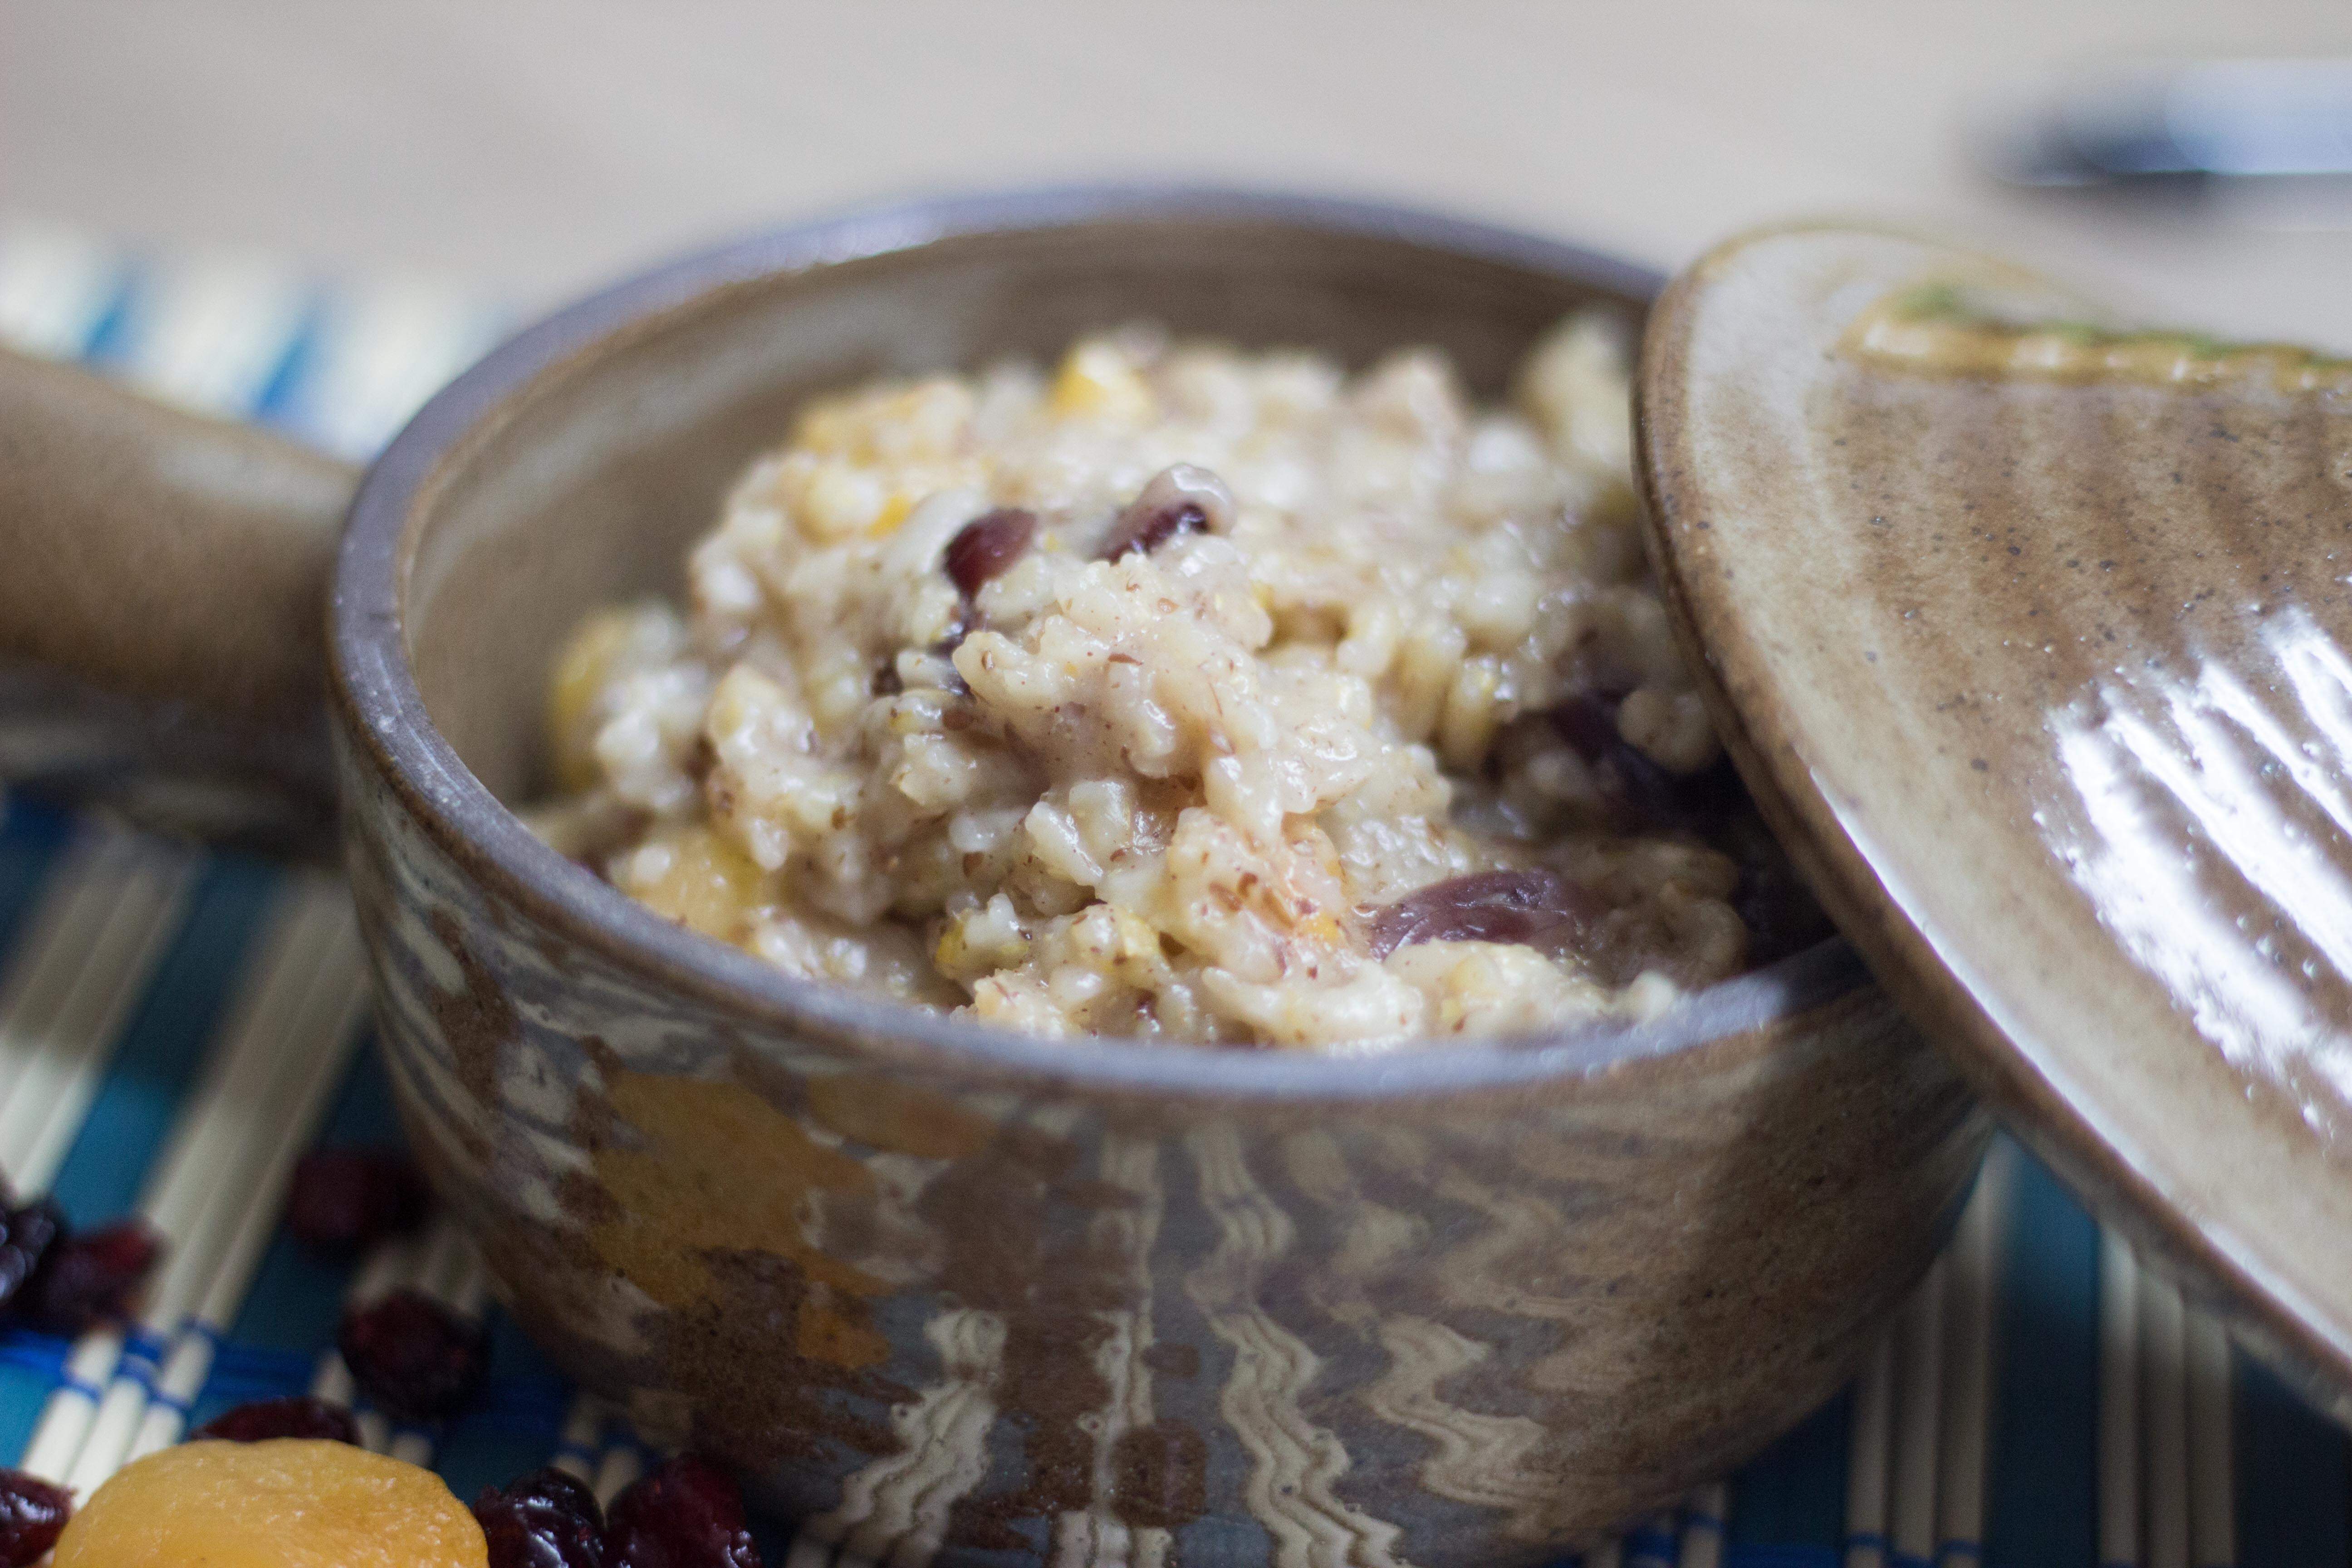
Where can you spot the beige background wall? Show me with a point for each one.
(538, 146)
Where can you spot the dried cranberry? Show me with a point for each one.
(26, 1234)
(89, 1279)
(1645, 795)
(347, 1199)
(1772, 900)
(1648, 793)
(546, 1519)
(414, 1357)
(32, 1514)
(1533, 907)
(1589, 724)
(985, 546)
(1178, 500)
(294, 1416)
(1149, 531)
(685, 1514)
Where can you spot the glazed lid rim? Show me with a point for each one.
(2108, 1147)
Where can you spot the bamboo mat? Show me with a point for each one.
(175, 1028)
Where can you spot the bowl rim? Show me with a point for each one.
(382, 712)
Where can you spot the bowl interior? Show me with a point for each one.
(590, 484)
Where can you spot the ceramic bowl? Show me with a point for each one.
(947, 1294)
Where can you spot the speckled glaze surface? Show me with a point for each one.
(161, 641)
(973, 1313)
(958, 1296)
(2041, 672)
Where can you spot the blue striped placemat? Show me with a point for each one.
(2045, 1400)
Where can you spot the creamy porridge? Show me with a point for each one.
(1183, 692)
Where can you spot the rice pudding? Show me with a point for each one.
(1185, 693)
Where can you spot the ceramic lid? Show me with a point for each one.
(2034, 641)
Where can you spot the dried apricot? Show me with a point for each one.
(292, 1502)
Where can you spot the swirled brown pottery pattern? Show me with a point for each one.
(951, 1295)
(2033, 636)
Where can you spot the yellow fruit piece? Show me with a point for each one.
(894, 512)
(950, 954)
(841, 499)
(580, 677)
(290, 1504)
(1096, 383)
(831, 424)
(709, 885)
(1138, 941)
(1320, 926)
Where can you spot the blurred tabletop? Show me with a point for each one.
(531, 148)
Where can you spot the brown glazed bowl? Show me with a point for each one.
(946, 1294)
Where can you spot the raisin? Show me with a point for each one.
(85, 1280)
(32, 1514)
(1539, 908)
(546, 1519)
(298, 1416)
(26, 1234)
(1183, 498)
(414, 1357)
(985, 546)
(347, 1199)
(685, 1514)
